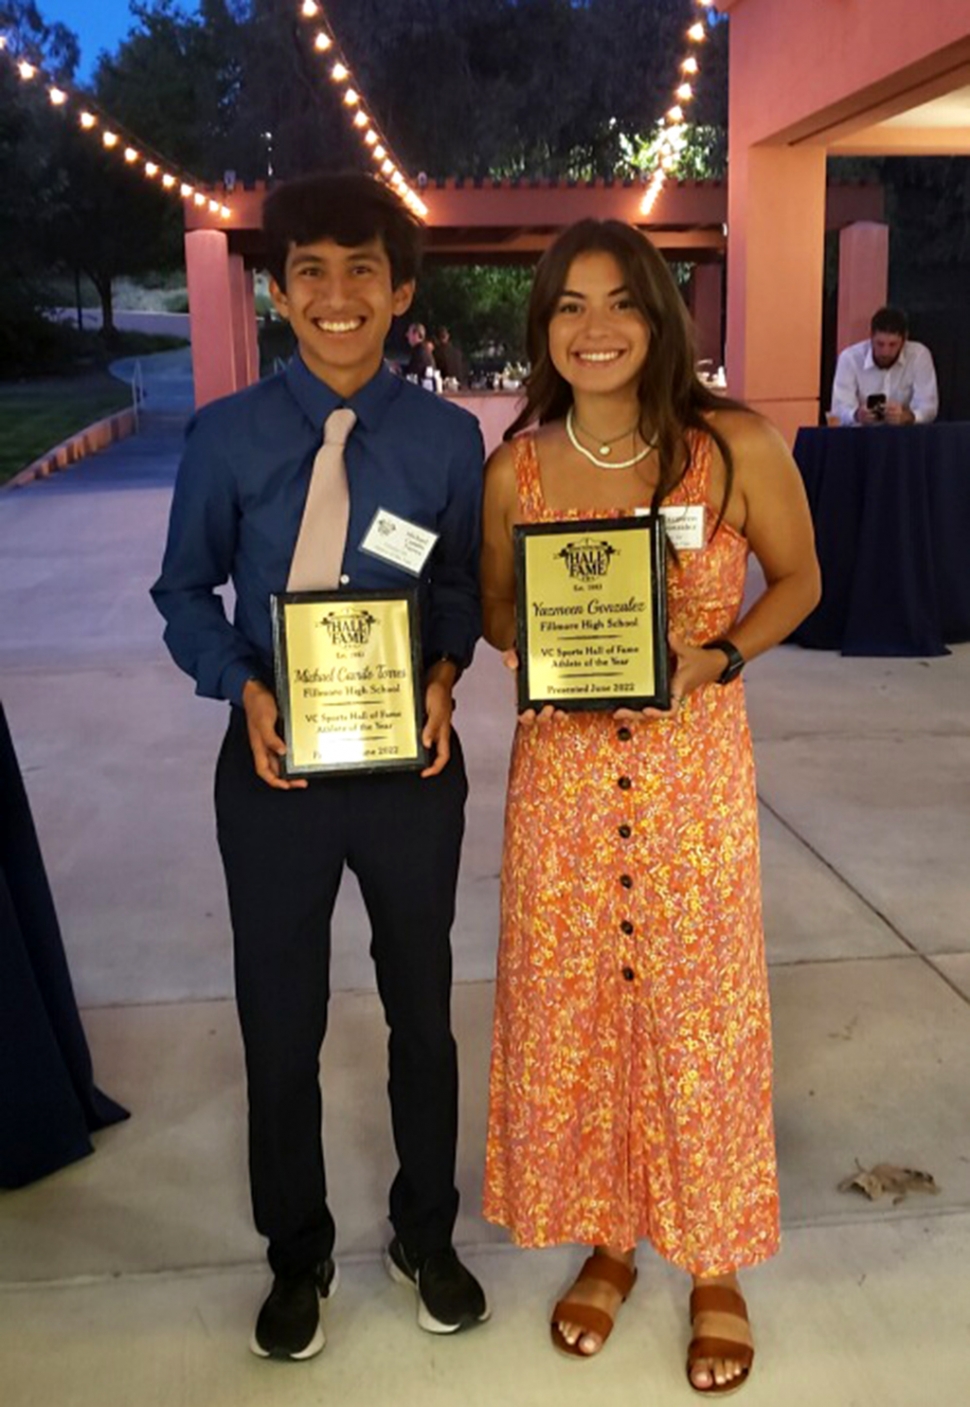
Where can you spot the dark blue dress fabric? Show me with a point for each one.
(49, 1104)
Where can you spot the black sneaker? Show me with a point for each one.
(288, 1325)
(449, 1296)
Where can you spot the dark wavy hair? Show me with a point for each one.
(673, 399)
(348, 207)
(892, 320)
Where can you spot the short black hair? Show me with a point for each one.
(347, 207)
(892, 320)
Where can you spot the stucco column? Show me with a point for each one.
(706, 301)
(863, 279)
(776, 250)
(216, 306)
(245, 344)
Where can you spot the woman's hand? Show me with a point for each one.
(693, 667)
(528, 719)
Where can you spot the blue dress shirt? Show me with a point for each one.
(239, 499)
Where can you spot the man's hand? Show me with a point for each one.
(267, 745)
(897, 414)
(864, 416)
(438, 706)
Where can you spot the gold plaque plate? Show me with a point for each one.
(348, 681)
(591, 613)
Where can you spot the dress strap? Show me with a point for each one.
(694, 487)
(527, 478)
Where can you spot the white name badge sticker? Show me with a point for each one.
(684, 523)
(396, 540)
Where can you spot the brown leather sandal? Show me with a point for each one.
(718, 1299)
(591, 1320)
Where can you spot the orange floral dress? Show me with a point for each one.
(631, 1066)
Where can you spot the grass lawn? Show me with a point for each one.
(36, 415)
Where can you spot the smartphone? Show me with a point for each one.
(877, 404)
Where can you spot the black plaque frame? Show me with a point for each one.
(649, 526)
(278, 603)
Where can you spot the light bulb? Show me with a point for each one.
(322, 42)
(58, 97)
(26, 70)
(339, 73)
(151, 169)
(88, 120)
(130, 154)
(110, 139)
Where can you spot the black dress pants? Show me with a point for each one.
(283, 854)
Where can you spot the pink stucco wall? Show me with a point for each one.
(792, 60)
(804, 72)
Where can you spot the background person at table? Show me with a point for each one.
(631, 1067)
(448, 358)
(421, 360)
(890, 365)
(343, 253)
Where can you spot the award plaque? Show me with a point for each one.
(591, 613)
(348, 681)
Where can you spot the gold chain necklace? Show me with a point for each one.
(605, 446)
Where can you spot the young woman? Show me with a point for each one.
(631, 1073)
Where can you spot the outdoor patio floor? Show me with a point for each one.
(131, 1279)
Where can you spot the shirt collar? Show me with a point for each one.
(316, 399)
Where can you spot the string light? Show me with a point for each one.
(111, 136)
(674, 131)
(388, 169)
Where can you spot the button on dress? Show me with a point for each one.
(631, 1069)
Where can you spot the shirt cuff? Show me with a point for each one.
(236, 676)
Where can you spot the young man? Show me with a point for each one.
(421, 359)
(343, 254)
(887, 379)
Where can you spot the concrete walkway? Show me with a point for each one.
(131, 1279)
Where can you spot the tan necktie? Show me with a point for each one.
(319, 551)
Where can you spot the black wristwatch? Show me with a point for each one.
(735, 660)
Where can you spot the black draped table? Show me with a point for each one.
(891, 507)
(49, 1104)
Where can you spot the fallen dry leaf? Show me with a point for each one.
(886, 1178)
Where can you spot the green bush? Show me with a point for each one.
(31, 343)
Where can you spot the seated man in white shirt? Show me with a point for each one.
(887, 379)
